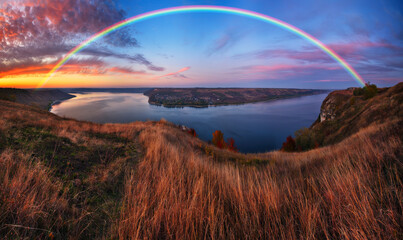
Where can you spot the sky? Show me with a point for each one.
(200, 49)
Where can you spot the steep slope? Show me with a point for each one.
(343, 114)
(41, 98)
(150, 180)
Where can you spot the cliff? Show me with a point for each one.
(343, 113)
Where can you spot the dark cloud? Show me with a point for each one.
(40, 32)
(90, 66)
(22, 56)
(35, 21)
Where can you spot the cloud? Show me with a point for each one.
(283, 71)
(373, 60)
(89, 66)
(14, 56)
(328, 80)
(225, 41)
(125, 70)
(176, 74)
(33, 21)
(37, 33)
(355, 50)
(34, 67)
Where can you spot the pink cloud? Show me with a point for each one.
(286, 67)
(329, 80)
(177, 73)
(125, 70)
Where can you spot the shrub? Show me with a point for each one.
(192, 132)
(352, 100)
(289, 145)
(370, 90)
(218, 139)
(231, 145)
(305, 139)
(358, 91)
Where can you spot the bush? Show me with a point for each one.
(305, 139)
(368, 91)
(358, 91)
(218, 139)
(352, 100)
(192, 132)
(289, 145)
(231, 145)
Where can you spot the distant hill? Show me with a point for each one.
(204, 97)
(111, 90)
(41, 98)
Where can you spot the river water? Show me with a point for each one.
(255, 127)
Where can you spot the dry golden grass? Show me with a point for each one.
(31, 201)
(352, 190)
(158, 182)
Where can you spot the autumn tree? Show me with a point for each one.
(218, 139)
(289, 145)
(231, 145)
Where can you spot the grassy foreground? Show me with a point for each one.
(66, 179)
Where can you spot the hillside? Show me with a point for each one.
(343, 114)
(41, 98)
(66, 179)
(204, 97)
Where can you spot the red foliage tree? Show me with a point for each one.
(231, 145)
(289, 145)
(218, 139)
(192, 132)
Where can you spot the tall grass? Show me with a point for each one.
(348, 191)
(174, 186)
(31, 203)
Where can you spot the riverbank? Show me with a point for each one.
(207, 97)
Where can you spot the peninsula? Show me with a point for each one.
(204, 97)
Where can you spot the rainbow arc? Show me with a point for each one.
(205, 8)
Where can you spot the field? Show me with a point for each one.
(65, 179)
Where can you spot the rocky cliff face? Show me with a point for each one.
(343, 114)
(332, 104)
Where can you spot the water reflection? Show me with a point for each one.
(255, 127)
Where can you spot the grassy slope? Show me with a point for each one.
(41, 98)
(354, 113)
(70, 179)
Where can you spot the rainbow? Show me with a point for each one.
(204, 8)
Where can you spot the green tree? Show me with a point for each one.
(370, 90)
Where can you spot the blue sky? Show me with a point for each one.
(206, 49)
